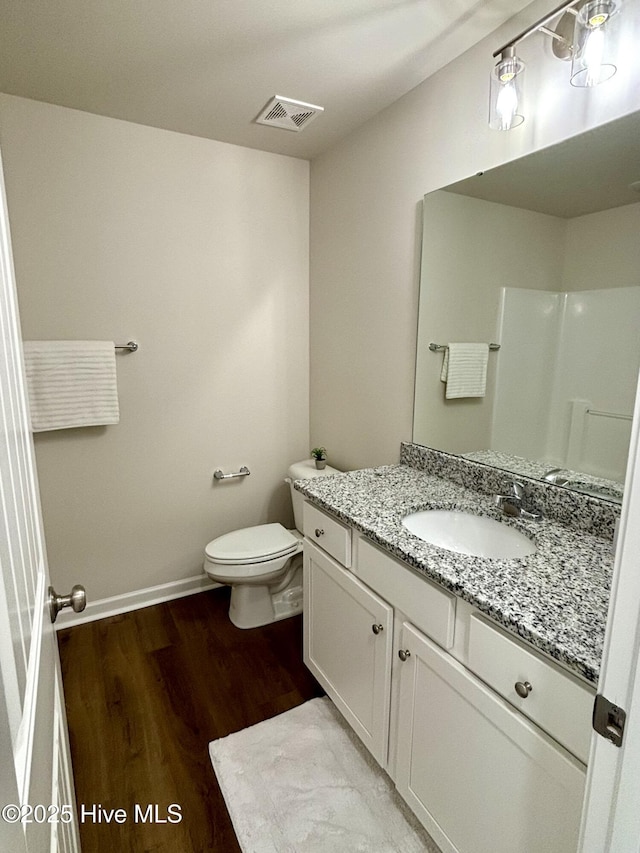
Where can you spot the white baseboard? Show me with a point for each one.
(134, 600)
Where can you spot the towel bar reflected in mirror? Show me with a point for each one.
(439, 347)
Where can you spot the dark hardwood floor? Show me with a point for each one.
(146, 692)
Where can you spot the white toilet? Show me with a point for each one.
(263, 564)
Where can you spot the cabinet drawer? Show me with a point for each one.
(558, 702)
(330, 534)
(429, 607)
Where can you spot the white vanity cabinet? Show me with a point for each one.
(348, 634)
(431, 687)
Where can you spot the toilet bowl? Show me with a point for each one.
(263, 564)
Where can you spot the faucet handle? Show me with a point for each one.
(513, 504)
(557, 476)
(519, 490)
(509, 504)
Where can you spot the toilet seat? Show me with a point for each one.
(252, 545)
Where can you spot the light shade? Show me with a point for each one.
(505, 104)
(594, 43)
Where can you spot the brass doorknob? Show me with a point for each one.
(77, 600)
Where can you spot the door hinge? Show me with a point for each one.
(608, 720)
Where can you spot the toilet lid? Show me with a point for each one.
(252, 545)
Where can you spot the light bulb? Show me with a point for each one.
(507, 104)
(592, 55)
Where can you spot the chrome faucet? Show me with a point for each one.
(557, 476)
(513, 504)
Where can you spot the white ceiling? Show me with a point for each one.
(208, 67)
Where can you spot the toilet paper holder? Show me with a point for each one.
(243, 472)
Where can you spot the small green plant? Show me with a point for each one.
(319, 453)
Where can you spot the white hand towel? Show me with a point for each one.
(71, 384)
(464, 369)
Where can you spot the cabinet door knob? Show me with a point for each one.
(377, 628)
(319, 532)
(523, 688)
(403, 654)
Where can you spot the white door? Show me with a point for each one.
(37, 803)
(611, 817)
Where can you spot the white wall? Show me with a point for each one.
(365, 229)
(471, 250)
(603, 249)
(198, 250)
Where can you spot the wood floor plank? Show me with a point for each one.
(147, 691)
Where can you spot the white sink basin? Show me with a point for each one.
(469, 534)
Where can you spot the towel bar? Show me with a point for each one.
(439, 347)
(132, 346)
(616, 415)
(243, 472)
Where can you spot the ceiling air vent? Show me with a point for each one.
(288, 114)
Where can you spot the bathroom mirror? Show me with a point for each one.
(541, 256)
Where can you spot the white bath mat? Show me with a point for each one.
(303, 783)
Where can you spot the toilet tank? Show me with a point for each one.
(304, 471)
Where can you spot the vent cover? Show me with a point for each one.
(288, 114)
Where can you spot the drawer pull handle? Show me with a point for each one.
(319, 532)
(403, 654)
(523, 688)
(377, 629)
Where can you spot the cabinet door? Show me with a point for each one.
(347, 646)
(480, 776)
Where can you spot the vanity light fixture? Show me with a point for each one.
(505, 109)
(591, 63)
(583, 34)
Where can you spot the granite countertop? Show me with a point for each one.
(589, 484)
(556, 599)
